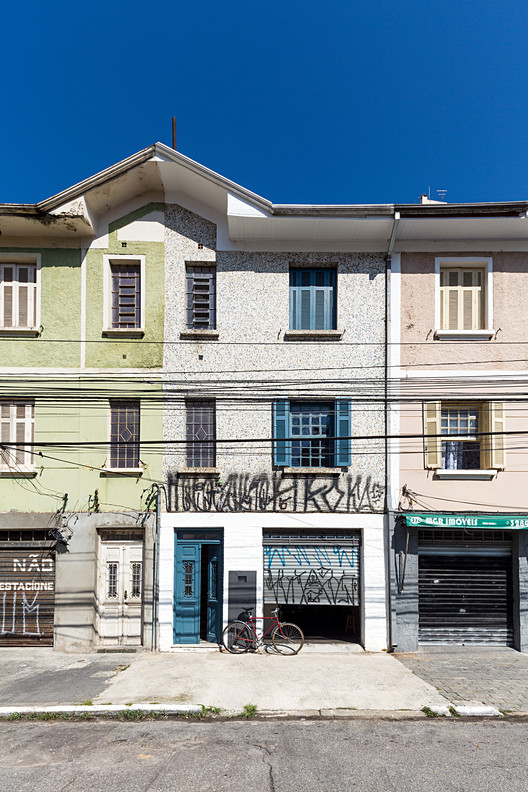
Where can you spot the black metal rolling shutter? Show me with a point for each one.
(465, 598)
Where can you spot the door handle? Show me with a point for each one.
(126, 596)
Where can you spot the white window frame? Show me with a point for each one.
(466, 262)
(27, 468)
(120, 332)
(17, 259)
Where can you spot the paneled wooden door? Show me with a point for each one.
(120, 576)
(197, 588)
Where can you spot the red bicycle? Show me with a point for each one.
(239, 636)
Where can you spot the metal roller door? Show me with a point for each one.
(27, 596)
(465, 594)
(306, 568)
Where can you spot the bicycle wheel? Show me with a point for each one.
(287, 638)
(236, 637)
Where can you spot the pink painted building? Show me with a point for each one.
(458, 421)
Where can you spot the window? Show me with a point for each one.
(17, 422)
(312, 299)
(464, 304)
(201, 433)
(201, 297)
(464, 436)
(124, 434)
(124, 296)
(18, 296)
(311, 434)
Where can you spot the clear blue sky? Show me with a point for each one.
(327, 101)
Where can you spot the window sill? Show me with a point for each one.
(312, 471)
(20, 331)
(475, 475)
(199, 335)
(123, 333)
(464, 335)
(313, 335)
(203, 471)
(18, 473)
(120, 472)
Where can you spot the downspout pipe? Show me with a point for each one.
(387, 368)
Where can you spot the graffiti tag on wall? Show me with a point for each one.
(245, 492)
(26, 596)
(299, 576)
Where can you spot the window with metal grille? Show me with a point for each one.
(201, 297)
(188, 575)
(462, 299)
(17, 423)
(312, 426)
(311, 434)
(201, 433)
(18, 296)
(135, 580)
(112, 570)
(312, 299)
(124, 434)
(126, 295)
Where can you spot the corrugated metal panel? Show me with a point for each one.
(465, 598)
(311, 569)
(27, 596)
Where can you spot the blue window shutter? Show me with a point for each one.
(281, 430)
(343, 426)
(312, 299)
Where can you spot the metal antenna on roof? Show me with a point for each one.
(174, 133)
(442, 194)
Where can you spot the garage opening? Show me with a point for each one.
(314, 577)
(465, 587)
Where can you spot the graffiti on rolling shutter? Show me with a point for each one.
(27, 596)
(311, 574)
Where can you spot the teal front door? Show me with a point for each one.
(197, 587)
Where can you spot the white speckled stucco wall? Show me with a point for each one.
(251, 363)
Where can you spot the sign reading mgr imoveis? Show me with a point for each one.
(466, 521)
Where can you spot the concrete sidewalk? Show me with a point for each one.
(309, 681)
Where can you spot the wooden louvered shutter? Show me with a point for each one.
(432, 424)
(282, 448)
(461, 299)
(496, 413)
(343, 431)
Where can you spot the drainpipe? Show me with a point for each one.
(387, 504)
(155, 571)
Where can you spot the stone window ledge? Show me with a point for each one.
(204, 471)
(18, 473)
(120, 472)
(313, 335)
(476, 475)
(312, 471)
(199, 335)
(464, 335)
(124, 332)
(20, 331)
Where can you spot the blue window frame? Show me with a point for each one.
(312, 299)
(311, 434)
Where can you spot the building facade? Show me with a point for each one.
(81, 332)
(459, 372)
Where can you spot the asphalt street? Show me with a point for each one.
(279, 756)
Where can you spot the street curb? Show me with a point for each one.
(132, 711)
(102, 709)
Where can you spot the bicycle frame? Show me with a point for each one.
(251, 622)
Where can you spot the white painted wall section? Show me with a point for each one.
(150, 228)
